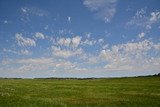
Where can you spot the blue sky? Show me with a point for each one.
(79, 38)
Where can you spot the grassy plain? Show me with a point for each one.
(111, 92)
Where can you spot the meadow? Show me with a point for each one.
(110, 92)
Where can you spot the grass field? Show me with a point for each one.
(115, 92)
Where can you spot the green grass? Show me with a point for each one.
(118, 92)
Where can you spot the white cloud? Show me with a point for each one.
(157, 46)
(104, 9)
(39, 35)
(5, 22)
(21, 52)
(10, 51)
(69, 19)
(100, 40)
(35, 65)
(131, 56)
(155, 16)
(65, 53)
(22, 41)
(34, 11)
(142, 55)
(88, 35)
(64, 41)
(69, 42)
(63, 32)
(46, 27)
(28, 12)
(141, 19)
(25, 52)
(33, 61)
(76, 41)
(92, 42)
(92, 59)
(141, 35)
(24, 10)
(105, 46)
(67, 47)
(88, 42)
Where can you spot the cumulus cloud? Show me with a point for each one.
(104, 9)
(88, 35)
(39, 35)
(88, 42)
(5, 22)
(69, 19)
(141, 35)
(10, 51)
(76, 41)
(69, 42)
(23, 41)
(64, 41)
(155, 16)
(33, 61)
(132, 56)
(65, 53)
(68, 55)
(100, 40)
(25, 52)
(27, 13)
(35, 64)
(141, 19)
(105, 46)
(34, 11)
(21, 52)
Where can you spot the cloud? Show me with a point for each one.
(21, 52)
(100, 40)
(33, 61)
(65, 32)
(141, 35)
(39, 35)
(69, 42)
(141, 19)
(22, 41)
(27, 13)
(92, 42)
(140, 56)
(155, 16)
(132, 56)
(76, 41)
(105, 46)
(88, 35)
(65, 53)
(103, 9)
(157, 46)
(88, 42)
(25, 52)
(34, 11)
(35, 65)
(10, 51)
(64, 41)
(69, 19)
(24, 10)
(68, 55)
(5, 22)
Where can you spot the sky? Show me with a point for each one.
(79, 38)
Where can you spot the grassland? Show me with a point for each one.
(115, 92)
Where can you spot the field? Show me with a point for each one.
(112, 92)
